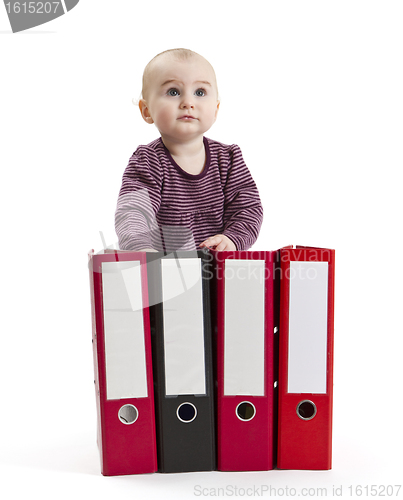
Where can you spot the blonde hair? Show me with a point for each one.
(179, 54)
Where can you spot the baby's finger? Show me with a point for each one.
(222, 245)
(211, 242)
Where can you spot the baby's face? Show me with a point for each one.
(181, 98)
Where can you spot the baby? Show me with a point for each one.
(184, 191)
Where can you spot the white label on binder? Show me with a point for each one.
(244, 328)
(126, 375)
(307, 338)
(183, 326)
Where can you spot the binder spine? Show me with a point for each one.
(125, 400)
(245, 377)
(185, 416)
(306, 374)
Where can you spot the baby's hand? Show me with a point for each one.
(219, 242)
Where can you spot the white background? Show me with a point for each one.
(312, 93)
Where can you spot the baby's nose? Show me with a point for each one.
(187, 103)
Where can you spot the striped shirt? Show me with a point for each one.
(163, 207)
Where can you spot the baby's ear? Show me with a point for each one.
(145, 113)
(216, 111)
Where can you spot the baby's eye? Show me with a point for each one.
(173, 92)
(200, 93)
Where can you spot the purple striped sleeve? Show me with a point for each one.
(243, 211)
(138, 202)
